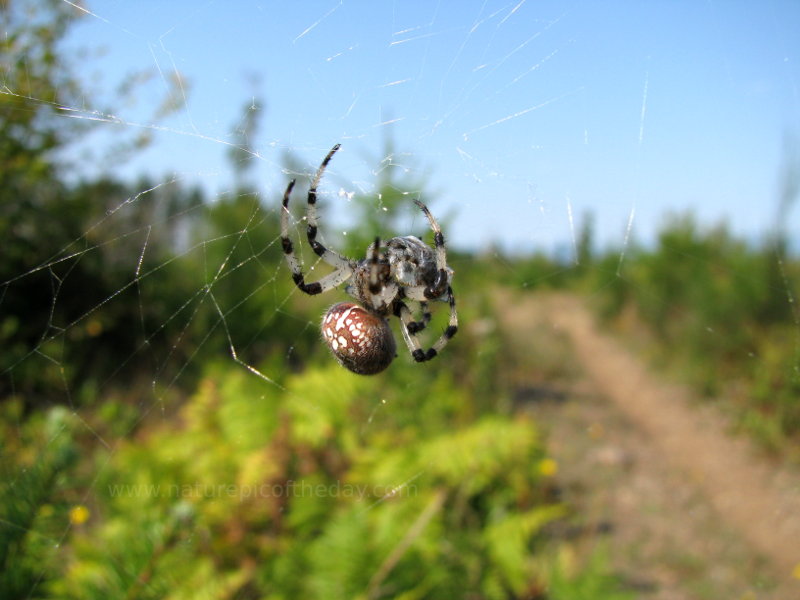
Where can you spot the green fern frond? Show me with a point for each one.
(509, 542)
(320, 403)
(475, 456)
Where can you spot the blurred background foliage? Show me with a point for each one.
(139, 460)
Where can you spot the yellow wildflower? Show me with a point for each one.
(78, 514)
(548, 467)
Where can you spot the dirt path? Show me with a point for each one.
(688, 511)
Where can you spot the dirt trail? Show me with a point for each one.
(697, 512)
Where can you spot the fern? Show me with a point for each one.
(286, 493)
(32, 515)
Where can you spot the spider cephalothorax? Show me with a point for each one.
(404, 268)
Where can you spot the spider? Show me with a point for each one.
(403, 269)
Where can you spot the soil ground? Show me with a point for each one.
(683, 509)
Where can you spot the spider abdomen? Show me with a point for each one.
(361, 340)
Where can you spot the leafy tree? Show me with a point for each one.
(57, 267)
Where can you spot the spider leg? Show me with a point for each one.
(377, 289)
(410, 328)
(402, 312)
(417, 326)
(332, 258)
(438, 287)
(374, 279)
(342, 273)
(450, 330)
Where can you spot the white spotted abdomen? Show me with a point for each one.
(360, 340)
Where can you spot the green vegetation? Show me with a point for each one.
(722, 314)
(296, 493)
(143, 457)
(716, 312)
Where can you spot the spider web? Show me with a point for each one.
(513, 120)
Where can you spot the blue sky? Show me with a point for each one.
(522, 116)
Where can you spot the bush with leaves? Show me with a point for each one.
(297, 492)
(723, 313)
